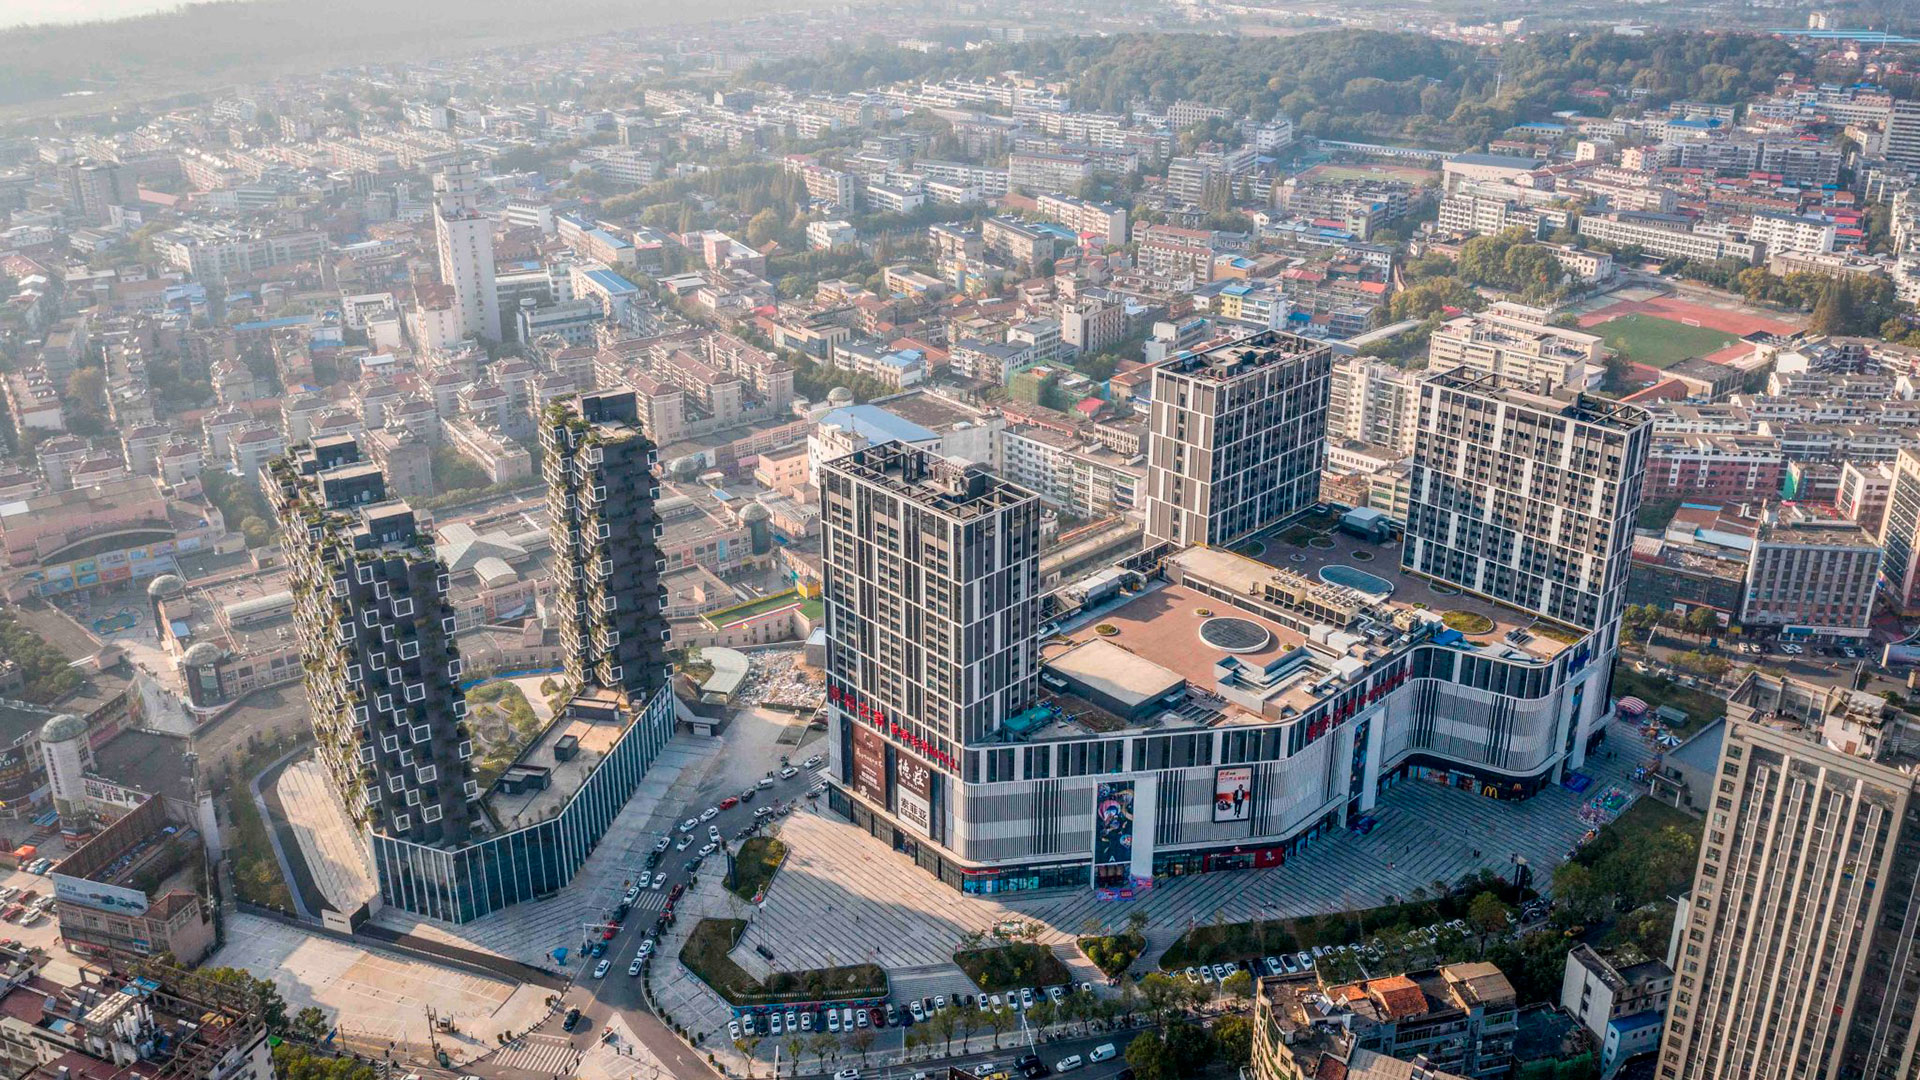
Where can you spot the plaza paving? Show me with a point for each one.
(379, 998)
(843, 897)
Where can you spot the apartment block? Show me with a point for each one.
(1526, 498)
(1795, 948)
(1516, 343)
(1236, 438)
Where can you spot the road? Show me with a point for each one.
(601, 999)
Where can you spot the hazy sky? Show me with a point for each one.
(16, 12)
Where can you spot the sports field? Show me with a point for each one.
(1661, 343)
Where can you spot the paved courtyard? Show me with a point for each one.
(375, 997)
(843, 897)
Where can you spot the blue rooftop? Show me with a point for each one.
(613, 283)
(1624, 1024)
(877, 425)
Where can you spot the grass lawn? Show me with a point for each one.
(754, 866)
(1647, 816)
(751, 608)
(705, 954)
(1658, 342)
(1018, 965)
(1700, 707)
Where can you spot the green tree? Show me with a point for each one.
(1704, 621)
(1151, 1059)
(764, 226)
(273, 1008)
(311, 1023)
(1233, 1040)
(1238, 986)
(1576, 887)
(1488, 915)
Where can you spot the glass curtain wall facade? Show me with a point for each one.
(463, 883)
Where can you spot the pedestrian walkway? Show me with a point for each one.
(844, 898)
(536, 1053)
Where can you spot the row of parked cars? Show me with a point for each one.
(846, 1018)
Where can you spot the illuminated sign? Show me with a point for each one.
(1232, 793)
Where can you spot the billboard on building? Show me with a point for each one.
(94, 894)
(870, 765)
(1233, 793)
(1113, 822)
(914, 791)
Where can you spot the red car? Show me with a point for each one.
(729, 802)
(607, 934)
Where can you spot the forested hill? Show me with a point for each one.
(1347, 82)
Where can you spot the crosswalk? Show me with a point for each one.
(537, 1053)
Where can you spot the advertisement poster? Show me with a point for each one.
(870, 765)
(915, 794)
(1233, 793)
(1113, 822)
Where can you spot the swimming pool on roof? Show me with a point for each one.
(1351, 577)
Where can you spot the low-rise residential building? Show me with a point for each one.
(1516, 342)
(1621, 997)
(1457, 1020)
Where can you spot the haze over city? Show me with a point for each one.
(944, 539)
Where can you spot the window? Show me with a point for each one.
(365, 574)
(430, 815)
(403, 607)
(460, 708)
(615, 673)
(385, 702)
(427, 774)
(402, 822)
(409, 650)
(366, 755)
(465, 750)
(390, 743)
(416, 692)
(396, 784)
(454, 668)
(447, 624)
(421, 733)
(413, 796)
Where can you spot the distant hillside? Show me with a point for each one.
(216, 44)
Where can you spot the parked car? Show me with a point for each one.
(733, 1030)
(600, 969)
(1068, 1063)
(833, 1021)
(729, 803)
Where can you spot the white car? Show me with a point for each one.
(633, 891)
(733, 1030)
(779, 1025)
(919, 1014)
(708, 850)
(764, 782)
(847, 1074)
(833, 1021)
(789, 773)
(709, 813)
(806, 1021)
(600, 969)
(633, 969)
(1306, 961)
(683, 843)
(659, 880)
(811, 763)
(1206, 973)
(1026, 997)
(689, 825)
(1056, 994)
(762, 811)
(793, 1020)
(1068, 1063)
(713, 833)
